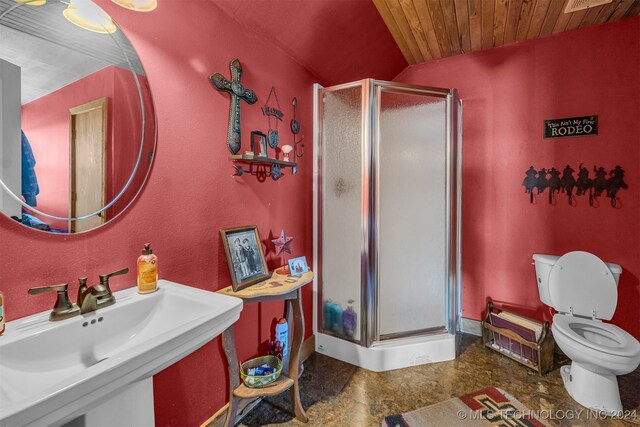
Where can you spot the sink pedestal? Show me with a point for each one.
(130, 407)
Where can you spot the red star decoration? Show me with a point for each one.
(282, 243)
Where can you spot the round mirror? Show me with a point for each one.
(77, 124)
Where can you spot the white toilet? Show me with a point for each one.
(584, 291)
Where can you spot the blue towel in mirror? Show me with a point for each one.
(30, 188)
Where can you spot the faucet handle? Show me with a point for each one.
(63, 308)
(40, 289)
(104, 278)
(81, 289)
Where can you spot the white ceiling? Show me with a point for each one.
(52, 52)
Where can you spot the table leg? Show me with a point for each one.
(298, 335)
(229, 346)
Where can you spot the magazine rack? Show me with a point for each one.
(495, 337)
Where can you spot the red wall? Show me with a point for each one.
(507, 94)
(45, 121)
(298, 27)
(189, 195)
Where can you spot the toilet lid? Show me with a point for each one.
(581, 282)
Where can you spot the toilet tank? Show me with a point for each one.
(544, 263)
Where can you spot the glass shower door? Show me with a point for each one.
(387, 211)
(412, 242)
(342, 198)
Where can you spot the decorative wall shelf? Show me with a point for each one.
(262, 166)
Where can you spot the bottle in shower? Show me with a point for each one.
(349, 319)
(336, 319)
(327, 312)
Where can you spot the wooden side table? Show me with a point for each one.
(278, 287)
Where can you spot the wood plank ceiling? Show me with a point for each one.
(433, 29)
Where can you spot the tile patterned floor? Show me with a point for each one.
(335, 393)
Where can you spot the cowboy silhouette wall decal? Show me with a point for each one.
(530, 182)
(567, 182)
(551, 178)
(615, 183)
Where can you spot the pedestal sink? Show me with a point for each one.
(54, 373)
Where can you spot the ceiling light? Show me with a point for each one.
(137, 5)
(85, 14)
(32, 2)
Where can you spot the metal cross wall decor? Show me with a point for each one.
(237, 92)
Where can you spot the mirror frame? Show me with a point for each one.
(147, 144)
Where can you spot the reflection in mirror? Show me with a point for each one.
(77, 122)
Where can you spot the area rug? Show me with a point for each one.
(489, 407)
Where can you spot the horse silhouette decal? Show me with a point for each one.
(537, 181)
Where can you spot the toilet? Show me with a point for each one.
(584, 291)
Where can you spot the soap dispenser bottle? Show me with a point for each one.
(147, 271)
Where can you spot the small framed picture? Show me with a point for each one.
(245, 258)
(297, 266)
(259, 142)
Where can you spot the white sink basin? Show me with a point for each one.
(51, 372)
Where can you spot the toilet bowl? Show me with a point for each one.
(583, 289)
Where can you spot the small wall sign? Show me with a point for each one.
(571, 126)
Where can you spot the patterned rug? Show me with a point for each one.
(489, 407)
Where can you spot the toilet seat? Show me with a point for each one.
(622, 343)
(581, 283)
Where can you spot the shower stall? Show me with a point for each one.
(387, 223)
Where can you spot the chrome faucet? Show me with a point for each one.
(89, 298)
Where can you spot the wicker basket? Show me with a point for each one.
(257, 381)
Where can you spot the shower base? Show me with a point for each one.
(394, 354)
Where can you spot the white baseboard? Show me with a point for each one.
(470, 326)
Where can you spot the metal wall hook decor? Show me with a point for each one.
(295, 129)
(269, 111)
(295, 125)
(238, 93)
(239, 170)
(603, 182)
(261, 172)
(298, 148)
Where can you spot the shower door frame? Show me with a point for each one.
(370, 207)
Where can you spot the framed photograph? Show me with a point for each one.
(259, 141)
(245, 258)
(297, 266)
